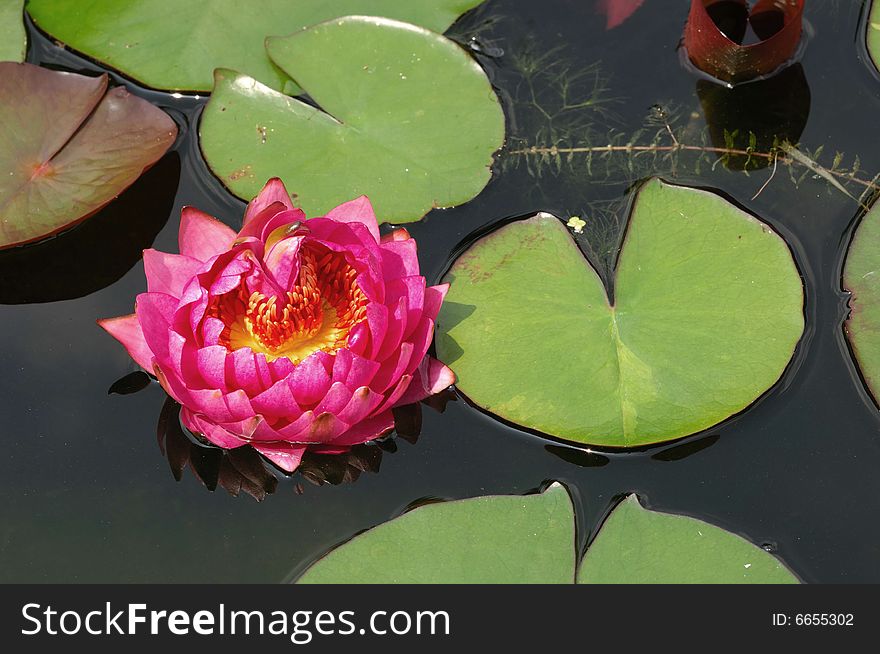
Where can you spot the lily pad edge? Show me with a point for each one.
(794, 360)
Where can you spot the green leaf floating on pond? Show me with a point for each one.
(488, 540)
(861, 276)
(69, 147)
(531, 539)
(707, 311)
(407, 118)
(873, 35)
(638, 546)
(175, 46)
(13, 40)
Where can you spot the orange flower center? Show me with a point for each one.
(316, 314)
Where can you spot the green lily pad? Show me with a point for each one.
(861, 277)
(175, 46)
(13, 40)
(637, 546)
(873, 36)
(706, 314)
(407, 118)
(530, 539)
(69, 147)
(488, 540)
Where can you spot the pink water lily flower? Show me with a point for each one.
(293, 334)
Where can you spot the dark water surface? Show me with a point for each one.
(88, 496)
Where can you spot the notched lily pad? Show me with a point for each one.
(175, 46)
(530, 539)
(638, 546)
(495, 539)
(69, 147)
(707, 310)
(13, 39)
(861, 277)
(79, 262)
(406, 117)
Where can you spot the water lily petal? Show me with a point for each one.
(242, 372)
(244, 428)
(286, 456)
(277, 402)
(434, 296)
(325, 427)
(274, 191)
(335, 399)
(354, 370)
(311, 379)
(212, 329)
(282, 261)
(394, 332)
(399, 259)
(291, 430)
(226, 273)
(213, 432)
(617, 11)
(392, 369)
(211, 362)
(182, 359)
(429, 378)
(281, 368)
(377, 319)
(359, 210)
(202, 236)
(392, 398)
(340, 236)
(359, 338)
(207, 401)
(313, 427)
(239, 405)
(127, 330)
(154, 313)
(362, 403)
(413, 289)
(168, 273)
(399, 234)
(366, 430)
(421, 341)
(264, 374)
(267, 221)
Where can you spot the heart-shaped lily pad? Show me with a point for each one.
(861, 277)
(13, 40)
(69, 147)
(531, 539)
(706, 312)
(407, 118)
(175, 46)
(489, 540)
(638, 546)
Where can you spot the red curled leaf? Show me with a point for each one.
(616, 12)
(70, 146)
(716, 30)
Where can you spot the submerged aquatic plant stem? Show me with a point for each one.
(786, 154)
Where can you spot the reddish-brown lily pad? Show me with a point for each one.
(718, 31)
(69, 146)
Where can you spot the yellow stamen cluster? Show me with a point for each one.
(316, 314)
